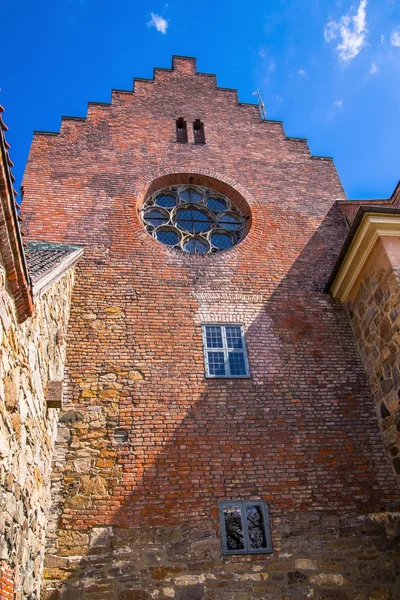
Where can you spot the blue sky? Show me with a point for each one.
(330, 69)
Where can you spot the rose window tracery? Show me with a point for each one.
(193, 218)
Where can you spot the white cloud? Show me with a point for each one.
(395, 37)
(302, 72)
(351, 31)
(373, 69)
(159, 23)
(338, 103)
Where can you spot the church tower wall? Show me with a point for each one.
(138, 519)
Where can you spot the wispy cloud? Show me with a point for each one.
(338, 103)
(350, 31)
(264, 54)
(158, 22)
(302, 72)
(373, 69)
(395, 37)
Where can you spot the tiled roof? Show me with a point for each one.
(43, 257)
(11, 244)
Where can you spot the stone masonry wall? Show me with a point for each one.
(316, 555)
(31, 355)
(300, 433)
(374, 310)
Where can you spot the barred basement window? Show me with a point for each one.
(245, 527)
(181, 131)
(225, 352)
(198, 131)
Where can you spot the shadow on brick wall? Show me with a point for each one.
(301, 434)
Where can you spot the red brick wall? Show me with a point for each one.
(301, 433)
(6, 583)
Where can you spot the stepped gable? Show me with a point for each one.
(181, 66)
(109, 156)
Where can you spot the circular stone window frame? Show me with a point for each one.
(157, 179)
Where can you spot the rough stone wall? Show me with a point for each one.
(316, 555)
(374, 310)
(32, 354)
(301, 433)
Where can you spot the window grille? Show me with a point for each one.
(225, 352)
(181, 131)
(194, 219)
(198, 131)
(245, 527)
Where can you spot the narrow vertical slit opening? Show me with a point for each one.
(198, 131)
(181, 131)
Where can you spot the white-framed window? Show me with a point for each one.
(225, 353)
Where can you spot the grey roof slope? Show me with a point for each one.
(45, 257)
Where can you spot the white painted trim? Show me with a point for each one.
(47, 279)
(373, 226)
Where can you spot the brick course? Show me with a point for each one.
(301, 433)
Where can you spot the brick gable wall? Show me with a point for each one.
(300, 434)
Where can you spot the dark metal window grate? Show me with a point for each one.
(245, 527)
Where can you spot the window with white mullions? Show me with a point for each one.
(225, 352)
(245, 527)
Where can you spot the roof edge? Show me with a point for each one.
(363, 212)
(54, 274)
(13, 252)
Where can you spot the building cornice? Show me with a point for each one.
(370, 225)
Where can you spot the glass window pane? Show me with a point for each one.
(221, 240)
(201, 246)
(237, 364)
(193, 220)
(155, 217)
(256, 527)
(167, 236)
(234, 337)
(216, 364)
(166, 200)
(190, 195)
(233, 527)
(216, 204)
(214, 337)
(229, 221)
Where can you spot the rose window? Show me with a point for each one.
(193, 218)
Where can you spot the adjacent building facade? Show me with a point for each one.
(230, 423)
